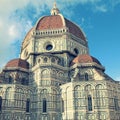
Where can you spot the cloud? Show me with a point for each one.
(101, 8)
(13, 32)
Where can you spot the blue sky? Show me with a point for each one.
(99, 19)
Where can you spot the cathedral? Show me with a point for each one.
(55, 77)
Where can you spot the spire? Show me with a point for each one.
(54, 10)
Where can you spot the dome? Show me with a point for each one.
(17, 63)
(57, 22)
(85, 58)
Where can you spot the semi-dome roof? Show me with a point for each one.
(85, 58)
(17, 63)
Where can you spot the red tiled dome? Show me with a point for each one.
(57, 22)
(75, 30)
(18, 63)
(50, 22)
(85, 58)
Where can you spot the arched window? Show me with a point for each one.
(89, 103)
(77, 91)
(0, 103)
(28, 105)
(86, 76)
(44, 106)
(100, 93)
(10, 80)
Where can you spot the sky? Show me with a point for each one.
(99, 19)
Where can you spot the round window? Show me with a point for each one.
(49, 47)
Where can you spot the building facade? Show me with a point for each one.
(56, 78)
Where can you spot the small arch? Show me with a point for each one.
(60, 74)
(44, 91)
(54, 72)
(53, 60)
(88, 87)
(29, 92)
(54, 92)
(77, 91)
(99, 87)
(77, 87)
(45, 71)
